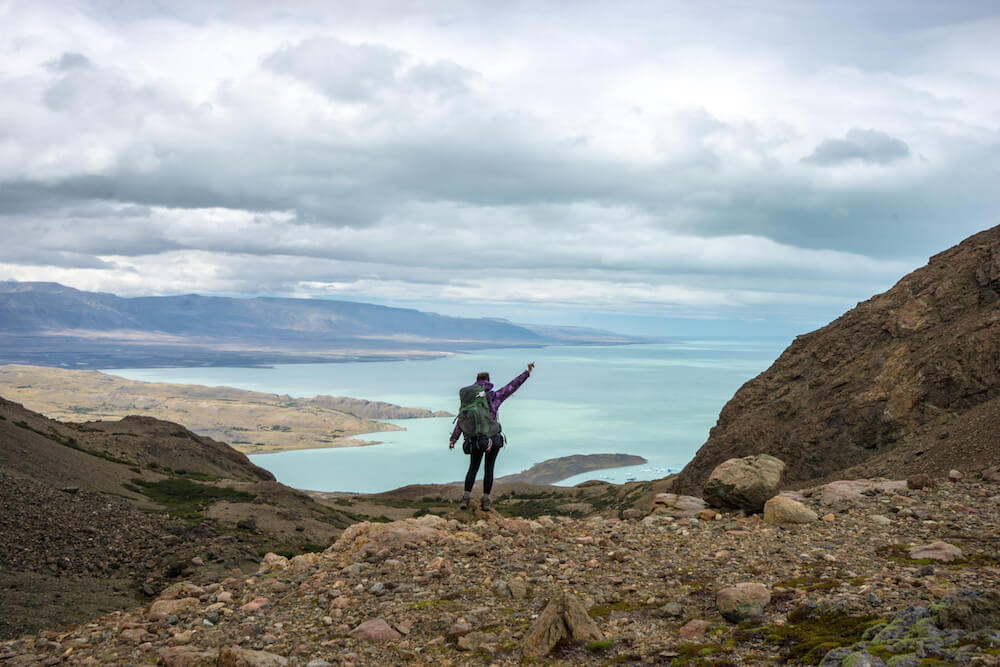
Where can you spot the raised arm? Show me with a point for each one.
(504, 392)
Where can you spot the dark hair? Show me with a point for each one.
(482, 376)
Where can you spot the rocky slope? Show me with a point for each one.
(468, 588)
(93, 513)
(906, 381)
(96, 516)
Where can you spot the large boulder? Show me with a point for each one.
(745, 483)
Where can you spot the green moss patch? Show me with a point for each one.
(599, 646)
(808, 636)
(185, 498)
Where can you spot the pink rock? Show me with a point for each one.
(375, 630)
(693, 629)
(165, 608)
(134, 634)
(255, 604)
(584, 539)
(675, 505)
(339, 602)
(186, 656)
(272, 562)
(936, 551)
(742, 601)
(225, 596)
(234, 656)
(458, 629)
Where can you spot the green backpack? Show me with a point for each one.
(474, 418)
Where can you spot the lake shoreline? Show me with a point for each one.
(657, 401)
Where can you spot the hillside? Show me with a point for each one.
(50, 324)
(250, 421)
(93, 513)
(99, 515)
(908, 381)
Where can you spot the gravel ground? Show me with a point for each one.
(470, 588)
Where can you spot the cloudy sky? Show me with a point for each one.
(662, 166)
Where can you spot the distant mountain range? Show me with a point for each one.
(51, 324)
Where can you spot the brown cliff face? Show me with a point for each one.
(907, 380)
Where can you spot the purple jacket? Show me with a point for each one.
(495, 398)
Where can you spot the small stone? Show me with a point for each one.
(919, 481)
(669, 610)
(829, 518)
(375, 630)
(936, 551)
(780, 509)
(255, 604)
(459, 629)
(954, 475)
(693, 629)
(186, 656)
(162, 609)
(742, 601)
(472, 641)
(234, 656)
(880, 520)
(182, 638)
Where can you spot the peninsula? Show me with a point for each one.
(252, 422)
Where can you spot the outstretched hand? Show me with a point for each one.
(451, 444)
(531, 366)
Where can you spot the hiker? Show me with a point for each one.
(481, 431)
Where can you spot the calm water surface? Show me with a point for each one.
(656, 401)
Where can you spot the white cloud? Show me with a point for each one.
(661, 152)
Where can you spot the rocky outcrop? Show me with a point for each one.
(564, 617)
(908, 381)
(745, 483)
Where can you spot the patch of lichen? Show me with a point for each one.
(700, 655)
(808, 636)
(899, 553)
(811, 583)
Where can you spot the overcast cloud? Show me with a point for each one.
(602, 163)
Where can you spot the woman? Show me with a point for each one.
(486, 445)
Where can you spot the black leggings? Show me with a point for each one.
(475, 458)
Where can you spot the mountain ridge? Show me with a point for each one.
(49, 324)
(883, 389)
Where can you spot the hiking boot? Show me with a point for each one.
(485, 503)
(465, 501)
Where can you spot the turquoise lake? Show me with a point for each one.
(656, 401)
